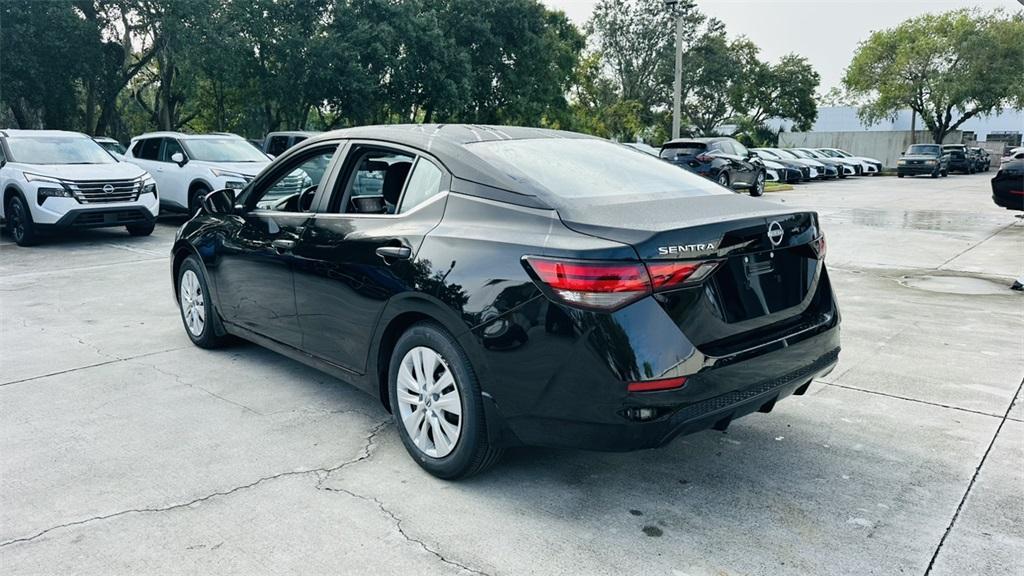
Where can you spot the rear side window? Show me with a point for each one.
(148, 149)
(278, 144)
(424, 182)
(590, 168)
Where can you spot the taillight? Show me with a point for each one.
(705, 158)
(820, 247)
(656, 385)
(610, 285)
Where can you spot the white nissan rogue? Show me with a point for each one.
(187, 167)
(56, 180)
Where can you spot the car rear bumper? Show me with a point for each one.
(708, 400)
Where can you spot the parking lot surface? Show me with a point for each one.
(123, 448)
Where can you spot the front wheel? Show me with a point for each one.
(20, 224)
(723, 178)
(197, 313)
(945, 173)
(141, 229)
(758, 188)
(898, 175)
(437, 405)
(196, 200)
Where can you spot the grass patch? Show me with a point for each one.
(776, 187)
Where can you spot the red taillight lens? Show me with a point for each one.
(592, 284)
(820, 247)
(655, 385)
(705, 158)
(611, 285)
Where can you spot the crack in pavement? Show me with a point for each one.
(179, 379)
(365, 454)
(908, 399)
(113, 360)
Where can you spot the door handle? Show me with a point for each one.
(283, 246)
(394, 252)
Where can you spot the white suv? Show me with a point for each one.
(52, 179)
(187, 167)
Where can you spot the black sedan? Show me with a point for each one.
(1008, 185)
(723, 160)
(510, 286)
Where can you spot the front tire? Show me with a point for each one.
(723, 179)
(195, 200)
(758, 188)
(141, 229)
(437, 404)
(196, 305)
(19, 222)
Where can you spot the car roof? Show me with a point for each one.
(14, 133)
(167, 134)
(702, 140)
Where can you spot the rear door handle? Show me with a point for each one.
(394, 252)
(283, 246)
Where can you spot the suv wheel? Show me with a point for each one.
(758, 188)
(141, 229)
(19, 222)
(196, 199)
(437, 405)
(723, 178)
(197, 313)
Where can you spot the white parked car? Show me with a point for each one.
(867, 165)
(110, 145)
(52, 180)
(187, 167)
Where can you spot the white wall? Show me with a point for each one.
(883, 146)
(844, 119)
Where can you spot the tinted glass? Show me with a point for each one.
(587, 168)
(278, 144)
(151, 149)
(57, 150)
(223, 150)
(670, 151)
(307, 173)
(929, 149)
(424, 182)
(171, 147)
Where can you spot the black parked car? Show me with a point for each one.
(928, 159)
(723, 160)
(516, 286)
(1008, 185)
(959, 160)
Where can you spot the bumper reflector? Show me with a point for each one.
(655, 385)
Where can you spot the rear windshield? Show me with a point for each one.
(669, 151)
(572, 168)
(924, 149)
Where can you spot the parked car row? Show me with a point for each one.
(941, 160)
(733, 165)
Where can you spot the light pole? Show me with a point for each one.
(677, 84)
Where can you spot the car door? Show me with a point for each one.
(359, 249)
(746, 165)
(253, 275)
(175, 178)
(145, 154)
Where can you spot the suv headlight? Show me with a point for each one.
(148, 186)
(49, 187)
(236, 181)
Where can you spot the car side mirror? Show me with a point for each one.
(179, 159)
(220, 202)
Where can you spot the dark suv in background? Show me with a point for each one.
(919, 159)
(959, 159)
(723, 160)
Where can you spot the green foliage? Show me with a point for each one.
(947, 67)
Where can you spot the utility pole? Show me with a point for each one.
(677, 85)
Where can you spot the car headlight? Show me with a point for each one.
(929, 161)
(49, 187)
(901, 162)
(148, 186)
(228, 174)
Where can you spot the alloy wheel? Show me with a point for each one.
(759, 185)
(723, 179)
(429, 402)
(193, 303)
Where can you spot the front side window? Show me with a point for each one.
(424, 182)
(170, 148)
(740, 149)
(57, 150)
(222, 150)
(293, 189)
(148, 149)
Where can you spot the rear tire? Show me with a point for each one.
(898, 175)
(19, 222)
(723, 179)
(141, 229)
(758, 188)
(447, 444)
(198, 314)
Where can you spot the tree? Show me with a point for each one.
(947, 67)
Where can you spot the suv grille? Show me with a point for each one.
(98, 191)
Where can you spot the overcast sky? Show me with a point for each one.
(825, 31)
